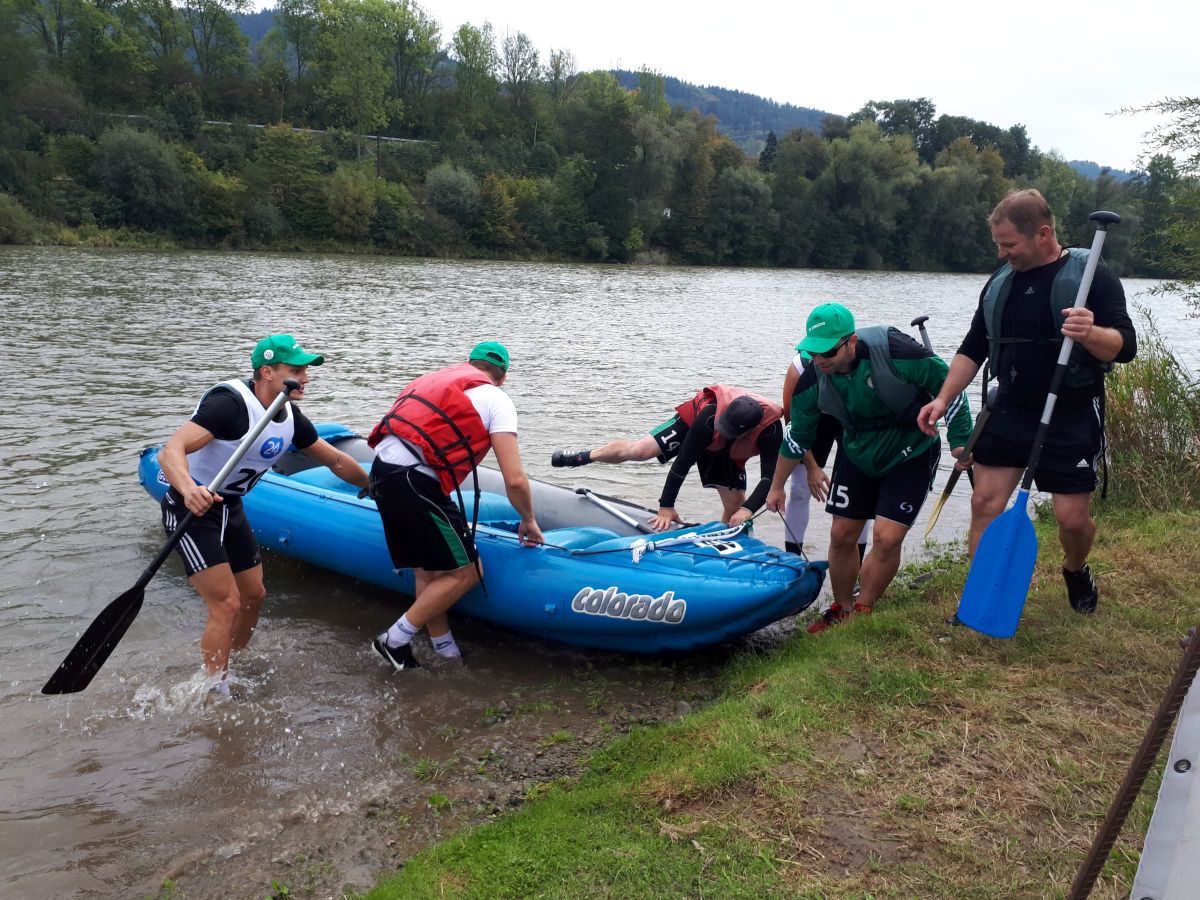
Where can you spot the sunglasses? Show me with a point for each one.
(830, 354)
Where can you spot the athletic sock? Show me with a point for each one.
(444, 645)
(401, 633)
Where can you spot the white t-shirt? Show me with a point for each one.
(798, 362)
(495, 408)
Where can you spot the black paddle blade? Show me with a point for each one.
(91, 651)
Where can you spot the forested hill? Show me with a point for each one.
(744, 118)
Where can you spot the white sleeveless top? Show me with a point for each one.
(205, 463)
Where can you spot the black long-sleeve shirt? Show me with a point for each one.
(695, 444)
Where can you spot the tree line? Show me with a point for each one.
(140, 121)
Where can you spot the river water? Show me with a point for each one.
(111, 791)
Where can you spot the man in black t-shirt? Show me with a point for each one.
(219, 552)
(1025, 311)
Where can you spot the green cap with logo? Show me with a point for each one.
(283, 348)
(826, 326)
(491, 352)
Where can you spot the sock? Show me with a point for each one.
(792, 548)
(401, 633)
(585, 457)
(444, 645)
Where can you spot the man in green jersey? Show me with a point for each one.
(874, 381)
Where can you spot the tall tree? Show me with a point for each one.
(474, 50)
(519, 67)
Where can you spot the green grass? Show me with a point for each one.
(893, 756)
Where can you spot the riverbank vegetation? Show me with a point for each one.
(896, 756)
(140, 123)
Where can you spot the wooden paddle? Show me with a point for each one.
(998, 582)
(91, 651)
(980, 424)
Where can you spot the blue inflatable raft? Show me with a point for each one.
(597, 582)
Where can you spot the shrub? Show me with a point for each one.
(453, 193)
(1152, 420)
(17, 226)
(142, 178)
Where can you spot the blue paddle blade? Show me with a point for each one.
(998, 583)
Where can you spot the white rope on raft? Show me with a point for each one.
(641, 546)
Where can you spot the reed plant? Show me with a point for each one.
(1152, 421)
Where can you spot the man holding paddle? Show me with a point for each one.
(1025, 312)
(219, 552)
(874, 381)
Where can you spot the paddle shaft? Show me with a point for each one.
(919, 323)
(980, 424)
(620, 514)
(1103, 219)
(97, 643)
(1139, 768)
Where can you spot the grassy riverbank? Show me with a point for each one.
(895, 756)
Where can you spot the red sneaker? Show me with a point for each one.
(832, 616)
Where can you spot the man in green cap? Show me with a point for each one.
(874, 381)
(437, 432)
(219, 552)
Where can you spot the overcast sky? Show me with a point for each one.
(1058, 69)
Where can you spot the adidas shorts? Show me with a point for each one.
(1070, 455)
(221, 535)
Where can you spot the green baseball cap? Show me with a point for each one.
(826, 326)
(491, 352)
(283, 348)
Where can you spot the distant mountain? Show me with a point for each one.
(1089, 169)
(254, 26)
(745, 118)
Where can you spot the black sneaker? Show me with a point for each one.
(1082, 590)
(562, 459)
(398, 657)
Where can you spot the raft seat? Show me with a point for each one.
(578, 538)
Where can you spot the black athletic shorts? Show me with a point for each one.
(424, 528)
(221, 535)
(897, 496)
(1070, 454)
(715, 469)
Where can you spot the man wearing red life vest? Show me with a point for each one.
(717, 431)
(438, 430)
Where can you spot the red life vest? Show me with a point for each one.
(434, 415)
(745, 446)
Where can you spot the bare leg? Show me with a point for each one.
(731, 502)
(843, 559)
(993, 486)
(622, 450)
(1076, 528)
(436, 593)
(219, 590)
(882, 563)
(252, 592)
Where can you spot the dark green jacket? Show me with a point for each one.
(876, 450)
